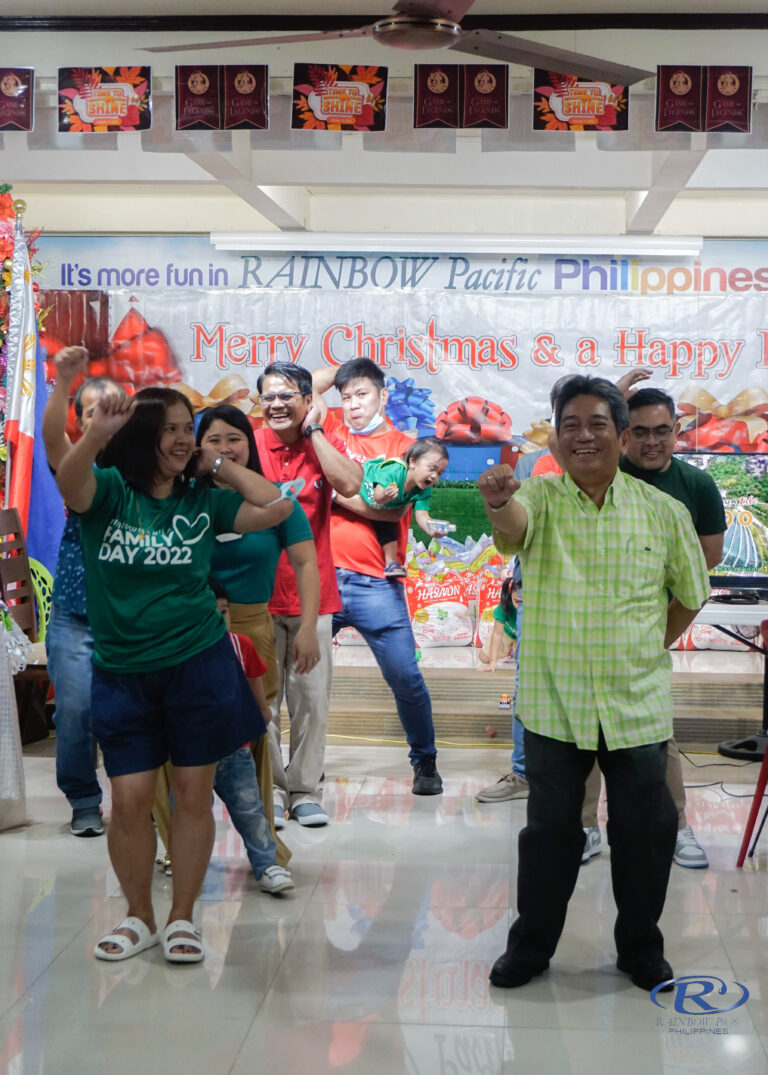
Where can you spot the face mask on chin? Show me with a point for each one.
(372, 426)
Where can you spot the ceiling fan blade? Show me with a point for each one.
(434, 9)
(250, 42)
(487, 44)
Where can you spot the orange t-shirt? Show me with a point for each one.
(354, 543)
(546, 464)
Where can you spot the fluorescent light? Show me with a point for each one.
(657, 246)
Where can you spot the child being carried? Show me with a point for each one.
(400, 483)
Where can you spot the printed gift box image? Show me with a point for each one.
(439, 610)
(488, 597)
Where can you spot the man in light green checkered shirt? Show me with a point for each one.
(600, 554)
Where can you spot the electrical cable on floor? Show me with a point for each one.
(734, 764)
(495, 745)
(711, 764)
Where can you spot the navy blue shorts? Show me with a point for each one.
(194, 713)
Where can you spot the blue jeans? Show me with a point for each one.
(236, 785)
(377, 608)
(518, 731)
(70, 645)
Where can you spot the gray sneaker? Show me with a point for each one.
(593, 843)
(510, 786)
(689, 852)
(86, 822)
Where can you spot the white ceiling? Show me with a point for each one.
(467, 181)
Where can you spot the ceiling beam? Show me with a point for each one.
(646, 209)
(307, 23)
(285, 207)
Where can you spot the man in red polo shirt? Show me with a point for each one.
(292, 446)
(372, 603)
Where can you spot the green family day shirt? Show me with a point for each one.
(147, 563)
(246, 564)
(386, 472)
(596, 609)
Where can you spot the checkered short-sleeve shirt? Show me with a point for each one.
(596, 595)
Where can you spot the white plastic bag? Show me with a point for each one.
(17, 645)
(13, 806)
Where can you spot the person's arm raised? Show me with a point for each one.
(69, 363)
(498, 487)
(322, 380)
(261, 507)
(74, 475)
(343, 473)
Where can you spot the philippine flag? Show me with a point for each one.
(31, 488)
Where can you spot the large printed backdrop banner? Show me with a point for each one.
(476, 368)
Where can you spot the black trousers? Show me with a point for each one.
(642, 827)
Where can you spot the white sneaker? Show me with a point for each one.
(279, 817)
(274, 880)
(689, 852)
(593, 843)
(509, 786)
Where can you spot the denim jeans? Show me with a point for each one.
(70, 646)
(236, 785)
(518, 731)
(377, 608)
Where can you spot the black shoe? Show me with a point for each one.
(426, 779)
(509, 973)
(647, 975)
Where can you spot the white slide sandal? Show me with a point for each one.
(128, 947)
(182, 934)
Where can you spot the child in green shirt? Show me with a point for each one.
(503, 640)
(401, 483)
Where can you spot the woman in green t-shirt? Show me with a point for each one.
(166, 682)
(245, 565)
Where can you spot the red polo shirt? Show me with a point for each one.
(355, 545)
(284, 462)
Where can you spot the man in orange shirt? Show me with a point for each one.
(372, 603)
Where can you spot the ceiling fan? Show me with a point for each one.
(436, 24)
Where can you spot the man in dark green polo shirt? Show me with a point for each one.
(648, 456)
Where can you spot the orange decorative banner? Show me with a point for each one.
(339, 97)
(563, 102)
(103, 99)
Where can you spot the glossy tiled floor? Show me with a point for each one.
(379, 962)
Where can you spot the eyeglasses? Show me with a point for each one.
(284, 397)
(644, 433)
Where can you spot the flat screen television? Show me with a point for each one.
(743, 483)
